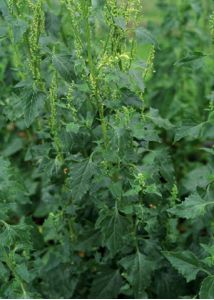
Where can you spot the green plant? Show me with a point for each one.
(106, 158)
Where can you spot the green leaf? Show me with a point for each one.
(4, 272)
(106, 285)
(192, 207)
(120, 22)
(145, 132)
(145, 36)
(15, 107)
(19, 28)
(5, 173)
(152, 189)
(185, 262)
(190, 131)
(4, 8)
(23, 272)
(113, 227)
(133, 191)
(52, 227)
(190, 58)
(137, 79)
(72, 127)
(81, 177)
(13, 147)
(138, 271)
(198, 177)
(63, 64)
(158, 120)
(207, 288)
(116, 189)
(34, 104)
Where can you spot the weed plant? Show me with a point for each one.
(106, 153)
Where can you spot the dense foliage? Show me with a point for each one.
(106, 153)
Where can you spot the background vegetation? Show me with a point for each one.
(106, 153)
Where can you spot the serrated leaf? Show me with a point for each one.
(113, 227)
(145, 132)
(207, 288)
(152, 189)
(15, 233)
(185, 262)
(192, 207)
(15, 108)
(72, 127)
(106, 285)
(198, 177)
(133, 191)
(116, 189)
(63, 65)
(138, 270)
(34, 104)
(158, 120)
(190, 131)
(81, 176)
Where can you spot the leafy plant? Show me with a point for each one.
(106, 154)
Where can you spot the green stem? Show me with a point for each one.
(205, 271)
(10, 265)
(85, 9)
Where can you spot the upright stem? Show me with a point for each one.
(9, 264)
(93, 73)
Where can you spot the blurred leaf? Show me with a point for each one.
(207, 288)
(34, 104)
(192, 207)
(138, 271)
(193, 132)
(113, 227)
(185, 262)
(80, 178)
(189, 58)
(72, 127)
(144, 36)
(106, 285)
(158, 120)
(63, 65)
